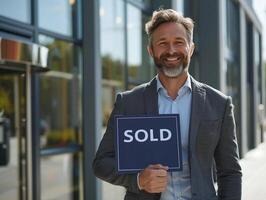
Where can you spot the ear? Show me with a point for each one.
(192, 47)
(150, 51)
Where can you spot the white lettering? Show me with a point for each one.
(146, 135)
(168, 132)
(152, 136)
(142, 135)
(130, 137)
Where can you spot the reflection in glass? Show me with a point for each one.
(148, 2)
(57, 16)
(60, 177)
(258, 91)
(139, 67)
(257, 62)
(112, 32)
(60, 95)
(61, 54)
(17, 52)
(112, 52)
(180, 6)
(233, 58)
(13, 129)
(9, 7)
(249, 84)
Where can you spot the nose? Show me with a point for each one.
(171, 49)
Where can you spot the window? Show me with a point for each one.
(58, 16)
(138, 61)
(179, 5)
(60, 177)
(22, 9)
(233, 58)
(112, 52)
(60, 95)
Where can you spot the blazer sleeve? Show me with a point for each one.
(226, 157)
(104, 164)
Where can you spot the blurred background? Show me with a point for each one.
(63, 62)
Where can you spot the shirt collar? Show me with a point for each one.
(186, 87)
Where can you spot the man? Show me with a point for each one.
(206, 122)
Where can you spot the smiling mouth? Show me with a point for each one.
(173, 59)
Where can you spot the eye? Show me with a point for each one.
(179, 42)
(162, 44)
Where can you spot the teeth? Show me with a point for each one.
(171, 59)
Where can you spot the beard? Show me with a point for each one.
(172, 70)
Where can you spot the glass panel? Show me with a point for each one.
(258, 91)
(232, 24)
(60, 95)
(257, 62)
(9, 7)
(180, 6)
(139, 66)
(249, 85)
(233, 59)
(60, 177)
(57, 16)
(147, 2)
(113, 61)
(112, 36)
(12, 145)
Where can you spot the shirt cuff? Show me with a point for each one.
(138, 182)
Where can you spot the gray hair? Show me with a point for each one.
(168, 15)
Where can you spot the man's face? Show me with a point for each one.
(171, 49)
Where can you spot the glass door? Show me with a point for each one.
(13, 136)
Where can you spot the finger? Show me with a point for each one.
(158, 166)
(157, 181)
(155, 188)
(159, 172)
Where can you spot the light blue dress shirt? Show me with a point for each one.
(179, 186)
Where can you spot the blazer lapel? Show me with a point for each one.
(151, 98)
(197, 105)
(197, 110)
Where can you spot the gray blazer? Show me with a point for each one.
(212, 137)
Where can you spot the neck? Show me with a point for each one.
(172, 85)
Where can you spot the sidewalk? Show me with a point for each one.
(254, 174)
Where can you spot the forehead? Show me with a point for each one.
(169, 30)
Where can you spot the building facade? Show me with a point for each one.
(63, 62)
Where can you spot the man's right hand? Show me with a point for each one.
(153, 179)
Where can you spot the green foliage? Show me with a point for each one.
(112, 69)
(5, 103)
(60, 137)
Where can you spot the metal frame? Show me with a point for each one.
(251, 14)
(243, 83)
(36, 168)
(75, 148)
(14, 29)
(29, 146)
(91, 112)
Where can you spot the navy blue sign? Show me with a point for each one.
(144, 140)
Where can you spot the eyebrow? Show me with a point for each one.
(163, 38)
